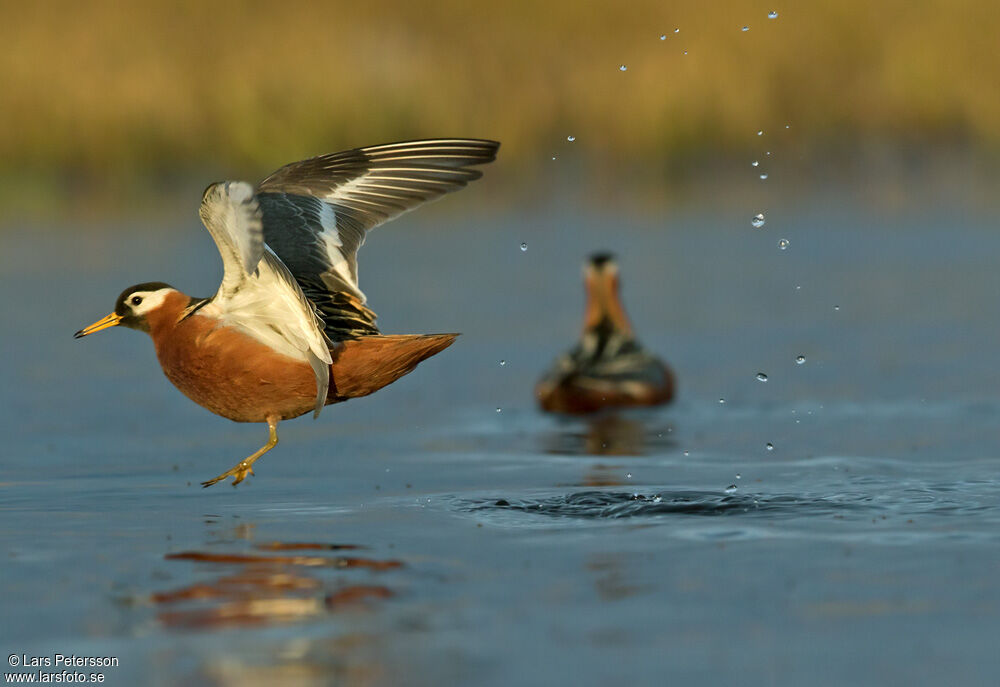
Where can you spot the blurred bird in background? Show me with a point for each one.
(608, 368)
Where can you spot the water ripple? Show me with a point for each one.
(614, 505)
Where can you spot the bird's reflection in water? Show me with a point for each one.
(271, 583)
(601, 475)
(609, 435)
(611, 576)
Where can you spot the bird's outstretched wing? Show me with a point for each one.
(231, 214)
(317, 212)
(258, 294)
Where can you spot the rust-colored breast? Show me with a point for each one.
(235, 376)
(577, 393)
(230, 373)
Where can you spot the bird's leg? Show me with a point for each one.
(245, 466)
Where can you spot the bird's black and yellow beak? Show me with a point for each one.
(112, 320)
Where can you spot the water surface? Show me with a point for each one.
(420, 536)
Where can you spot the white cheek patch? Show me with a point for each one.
(151, 300)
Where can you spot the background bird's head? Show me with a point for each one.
(604, 309)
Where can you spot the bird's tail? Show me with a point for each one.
(364, 365)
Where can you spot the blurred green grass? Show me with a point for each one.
(109, 100)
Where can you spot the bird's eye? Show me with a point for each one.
(136, 300)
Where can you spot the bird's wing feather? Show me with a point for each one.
(232, 216)
(258, 294)
(317, 212)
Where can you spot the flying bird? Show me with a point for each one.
(289, 331)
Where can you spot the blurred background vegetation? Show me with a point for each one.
(106, 104)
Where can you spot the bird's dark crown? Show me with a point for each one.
(600, 260)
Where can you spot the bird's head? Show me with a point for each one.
(132, 307)
(604, 307)
(600, 266)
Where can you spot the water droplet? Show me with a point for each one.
(761, 377)
(788, 126)
(754, 163)
(571, 138)
(499, 409)
(769, 446)
(800, 359)
(731, 489)
(502, 363)
(628, 475)
(663, 36)
(768, 153)
(783, 244)
(760, 133)
(685, 52)
(772, 15)
(687, 453)
(763, 176)
(798, 287)
(677, 30)
(739, 476)
(622, 68)
(721, 401)
(524, 247)
(836, 307)
(758, 220)
(746, 28)
(553, 157)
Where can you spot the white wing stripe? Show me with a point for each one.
(328, 220)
